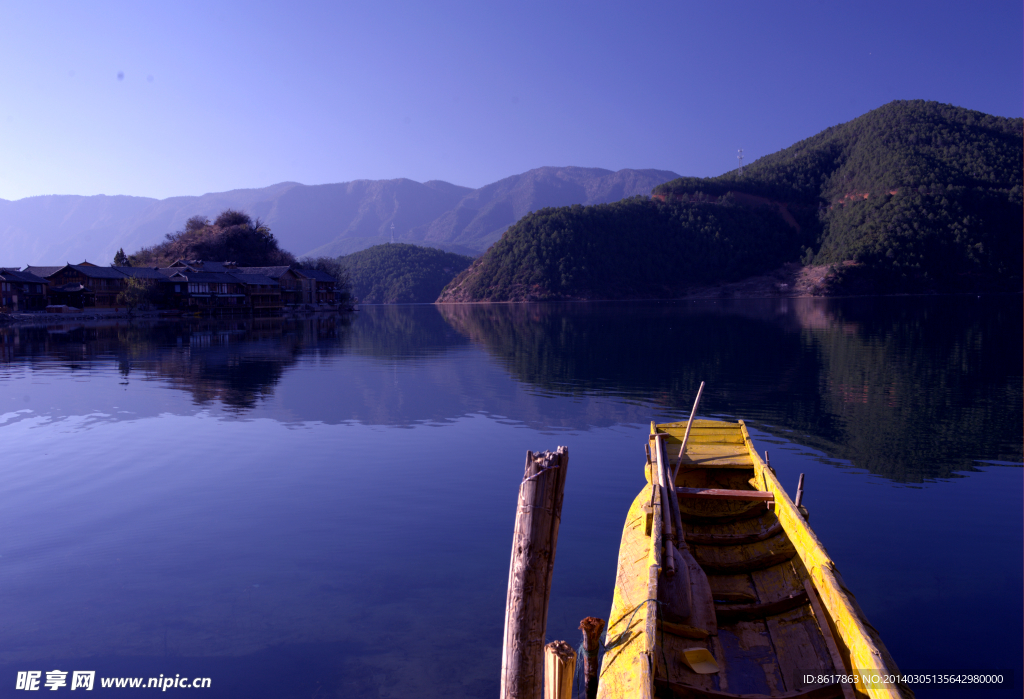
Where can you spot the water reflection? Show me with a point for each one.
(233, 499)
(233, 363)
(908, 389)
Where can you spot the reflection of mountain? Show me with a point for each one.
(909, 389)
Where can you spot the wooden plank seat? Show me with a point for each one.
(729, 565)
(734, 539)
(723, 494)
(743, 510)
(728, 613)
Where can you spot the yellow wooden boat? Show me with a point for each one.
(773, 619)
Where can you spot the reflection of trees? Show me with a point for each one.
(238, 363)
(924, 388)
(235, 362)
(645, 352)
(909, 389)
(402, 332)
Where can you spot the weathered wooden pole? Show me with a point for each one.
(591, 628)
(559, 670)
(800, 499)
(529, 574)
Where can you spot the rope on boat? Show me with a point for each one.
(604, 645)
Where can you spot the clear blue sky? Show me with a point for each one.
(217, 96)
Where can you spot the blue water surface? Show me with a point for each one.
(324, 508)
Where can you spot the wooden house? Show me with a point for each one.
(290, 283)
(84, 285)
(263, 294)
(206, 293)
(318, 288)
(22, 291)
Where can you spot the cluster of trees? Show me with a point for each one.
(401, 273)
(927, 196)
(233, 235)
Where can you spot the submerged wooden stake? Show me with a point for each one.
(559, 670)
(529, 576)
(591, 628)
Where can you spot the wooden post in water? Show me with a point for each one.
(529, 575)
(559, 670)
(800, 498)
(591, 628)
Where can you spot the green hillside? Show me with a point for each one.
(401, 273)
(635, 248)
(925, 197)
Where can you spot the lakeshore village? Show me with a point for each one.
(217, 289)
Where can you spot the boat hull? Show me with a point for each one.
(781, 608)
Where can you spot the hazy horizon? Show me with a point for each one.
(313, 184)
(192, 98)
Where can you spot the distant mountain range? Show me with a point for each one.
(329, 219)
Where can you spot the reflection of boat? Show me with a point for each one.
(764, 609)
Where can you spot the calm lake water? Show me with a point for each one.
(325, 508)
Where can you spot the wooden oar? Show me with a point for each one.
(697, 590)
(689, 424)
(668, 523)
(676, 585)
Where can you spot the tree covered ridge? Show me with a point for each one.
(923, 196)
(634, 248)
(401, 272)
(901, 144)
(926, 196)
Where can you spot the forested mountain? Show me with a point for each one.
(401, 273)
(635, 248)
(924, 196)
(330, 219)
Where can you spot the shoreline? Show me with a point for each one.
(790, 281)
(41, 318)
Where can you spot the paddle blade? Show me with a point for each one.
(674, 593)
(702, 603)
